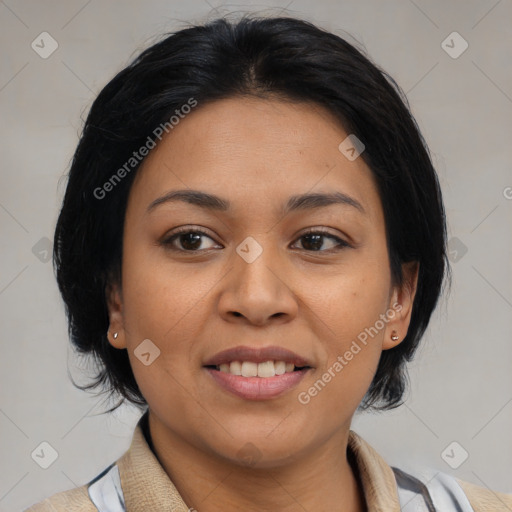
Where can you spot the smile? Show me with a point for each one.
(252, 369)
(257, 373)
(256, 387)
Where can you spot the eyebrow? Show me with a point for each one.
(298, 202)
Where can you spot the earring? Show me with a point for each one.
(394, 336)
(115, 335)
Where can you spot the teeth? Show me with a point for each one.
(266, 369)
(250, 369)
(235, 368)
(279, 367)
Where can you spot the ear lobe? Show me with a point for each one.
(402, 302)
(114, 300)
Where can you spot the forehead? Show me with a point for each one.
(256, 152)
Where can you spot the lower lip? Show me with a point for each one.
(257, 388)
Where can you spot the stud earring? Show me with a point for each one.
(394, 336)
(115, 335)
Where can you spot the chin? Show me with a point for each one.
(251, 456)
(260, 451)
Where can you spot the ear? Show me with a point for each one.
(400, 306)
(114, 300)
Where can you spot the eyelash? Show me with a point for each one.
(168, 242)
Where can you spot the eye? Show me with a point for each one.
(315, 240)
(189, 240)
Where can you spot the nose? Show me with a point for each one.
(258, 292)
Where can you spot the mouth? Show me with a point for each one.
(264, 370)
(257, 374)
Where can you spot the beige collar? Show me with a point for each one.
(146, 485)
(377, 478)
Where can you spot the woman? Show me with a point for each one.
(251, 244)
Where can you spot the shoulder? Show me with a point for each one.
(419, 488)
(486, 500)
(105, 492)
(74, 500)
(427, 489)
(102, 493)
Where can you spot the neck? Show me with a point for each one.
(322, 479)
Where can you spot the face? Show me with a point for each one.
(259, 268)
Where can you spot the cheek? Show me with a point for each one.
(352, 301)
(350, 308)
(161, 298)
(351, 357)
(162, 304)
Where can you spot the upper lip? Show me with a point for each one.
(256, 355)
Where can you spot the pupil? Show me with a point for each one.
(317, 243)
(187, 237)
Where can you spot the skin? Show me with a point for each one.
(256, 153)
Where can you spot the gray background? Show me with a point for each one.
(461, 381)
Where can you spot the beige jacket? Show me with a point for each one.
(136, 482)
